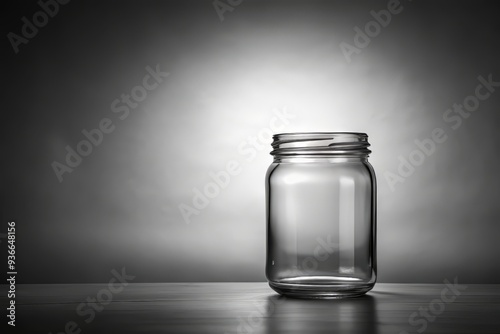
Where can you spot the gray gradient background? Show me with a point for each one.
(120, 206)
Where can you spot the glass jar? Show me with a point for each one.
(321, 215)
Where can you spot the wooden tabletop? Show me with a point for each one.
(252, 308)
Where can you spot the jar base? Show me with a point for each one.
(321, 291)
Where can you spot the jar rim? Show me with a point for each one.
(320, 144)
(321, 133)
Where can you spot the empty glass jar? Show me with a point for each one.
(321, 215)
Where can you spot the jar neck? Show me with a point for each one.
(320, 159)
(320, 146)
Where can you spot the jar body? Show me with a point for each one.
(321, 225)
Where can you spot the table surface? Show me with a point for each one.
(228, 308)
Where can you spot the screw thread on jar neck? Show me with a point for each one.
(320, 145)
